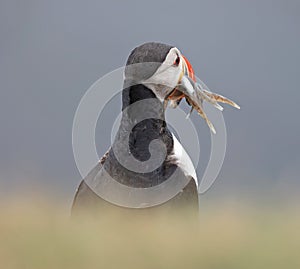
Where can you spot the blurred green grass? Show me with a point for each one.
(41, 235)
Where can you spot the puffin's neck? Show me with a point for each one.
(141, 134)
(144, 131)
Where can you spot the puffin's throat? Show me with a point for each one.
(142, 132)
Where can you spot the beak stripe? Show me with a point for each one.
(190, 69)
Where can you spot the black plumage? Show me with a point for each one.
(139, 139)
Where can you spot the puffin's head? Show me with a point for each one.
(169, 75)
(161, 68)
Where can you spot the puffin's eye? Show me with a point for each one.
(177, 61)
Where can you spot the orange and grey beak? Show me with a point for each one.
(187, 68)
(195, 93)
(187, 73)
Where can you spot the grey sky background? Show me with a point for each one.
(52, 51)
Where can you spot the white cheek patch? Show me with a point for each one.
(166, 77)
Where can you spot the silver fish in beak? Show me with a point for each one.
(195, 94)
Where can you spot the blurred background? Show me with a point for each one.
(52, 51)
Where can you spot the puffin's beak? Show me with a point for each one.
(195, 93)
(185, 85)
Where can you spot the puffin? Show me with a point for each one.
(146, 169)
